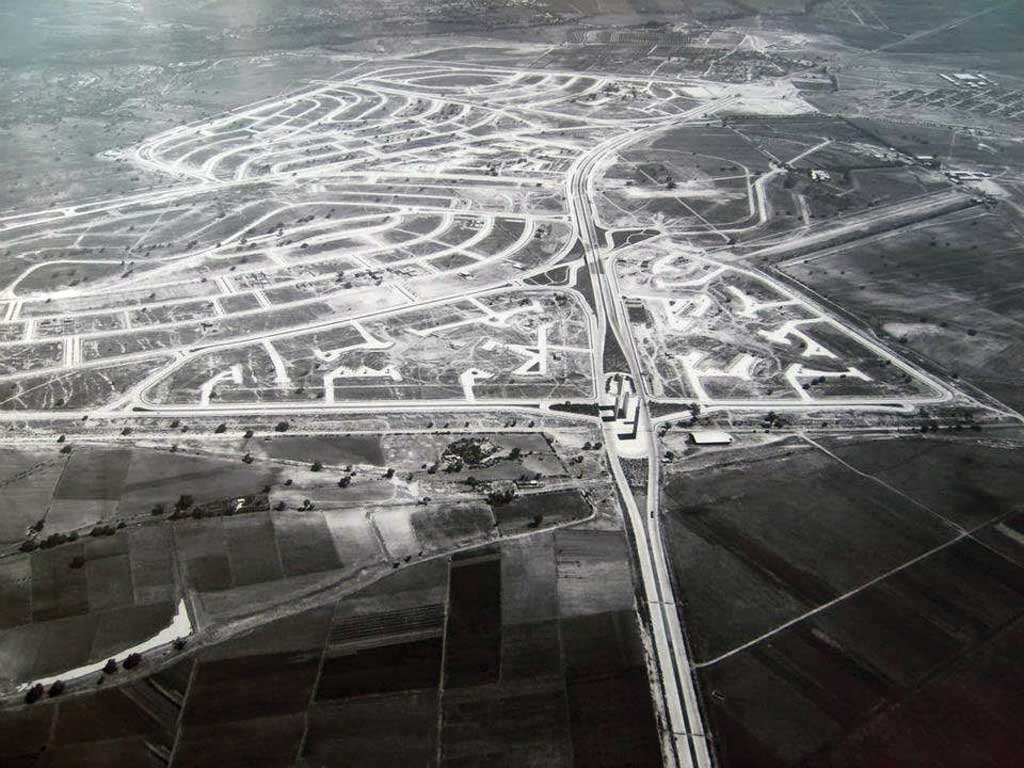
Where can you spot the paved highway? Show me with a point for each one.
(686, 743)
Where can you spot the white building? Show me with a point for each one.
(710, 437)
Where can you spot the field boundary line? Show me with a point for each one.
(920, 505)
(316, 682)
(966, 534)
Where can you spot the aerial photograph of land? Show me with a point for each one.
(511, 383)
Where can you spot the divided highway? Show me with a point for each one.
(686, 743)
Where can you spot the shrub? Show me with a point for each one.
(132, 661)
(34, 694)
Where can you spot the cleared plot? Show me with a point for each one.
(171, 313)
(719, 334)
(215, 329)
(69, 325)
(18, 358)
(238, 302)
(948, 290)
(77, 389)
(11, 331)
(61, 276)
(125, 296)
(535, 345)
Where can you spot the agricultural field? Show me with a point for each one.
(865, 581)
(508, 649)
(108, 540)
